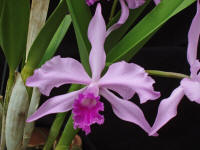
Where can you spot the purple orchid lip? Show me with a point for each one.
(86, 111)
(124, 78)
(188, 86)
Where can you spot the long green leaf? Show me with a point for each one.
(57, 38)
(129, 55)
(183, 5)
(81, 16)
(1, 8)
(116, 35)
(143, 31)
(13, 30)
(45, 36)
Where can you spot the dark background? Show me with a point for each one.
(165, 51)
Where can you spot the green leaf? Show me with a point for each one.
(132, 53)
(116, 35)
(1, 8)
(13, 29)
(81, 17)
(45, 36)
(144, 30)
(183, 5)
(57, 38)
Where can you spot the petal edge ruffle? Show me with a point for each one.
(56, 72)
(127, 79)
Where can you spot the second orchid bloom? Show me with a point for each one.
(126, 79)
(188, 86)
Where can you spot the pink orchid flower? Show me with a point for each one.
(132, 4)
(188, 86)
(124, 78)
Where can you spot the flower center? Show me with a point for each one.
(86, 111)
(88, 102)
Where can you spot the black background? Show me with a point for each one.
(165, 51)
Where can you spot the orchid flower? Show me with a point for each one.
(188, 86)
(132, 4)
(124, 78)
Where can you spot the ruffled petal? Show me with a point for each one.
(132, 4)
(128, 78)
(122, 19)
(193, 37)
(167, 109)
(97, 36)
(191, 89)
(56, 72)
(86, 110)
(57, 104)
(156, 2)
(126, 110)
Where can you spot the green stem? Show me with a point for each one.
(166, 74)
(25, 73)
(57, 124)
(10, 83)
(113, 10)
(67, 136)
(54, 131)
